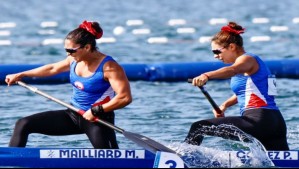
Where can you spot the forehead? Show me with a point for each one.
(69, 44)
(215, 45)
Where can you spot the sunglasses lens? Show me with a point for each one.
(69, 50)
(216, 52)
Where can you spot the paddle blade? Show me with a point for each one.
(147, 143)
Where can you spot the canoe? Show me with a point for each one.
(74, 158)
(85, 158)
(117, 158)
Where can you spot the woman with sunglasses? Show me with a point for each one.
(100, 86)
(254, 91)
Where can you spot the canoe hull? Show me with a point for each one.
(75, 158)
(116, 158)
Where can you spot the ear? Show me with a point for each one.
(87, 47)
(232, 46)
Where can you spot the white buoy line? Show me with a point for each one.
(5, 43)
(186, 30)
(5, 25)
(157, 40)
(260, 38)
(150, 40)
(153, 40)
(205, 39)
(260, 20)
(5, 33)
(52, 42)
(49, 24)
(46, 32)
(216, 21)
(106, 40)
(61, 41)
(48, 28)
(140, 22)
(134, 22)
(174, 22)
(296, 20)
(141, 31)
(279, 28)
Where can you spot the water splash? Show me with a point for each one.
(244, 150)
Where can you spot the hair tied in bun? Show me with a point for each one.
(232, 30)
(88, 27)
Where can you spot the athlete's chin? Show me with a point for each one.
(226, 62)
(77, 59)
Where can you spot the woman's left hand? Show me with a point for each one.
(216, 114)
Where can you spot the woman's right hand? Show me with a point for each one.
(12, 78)
(88, 116)
(200, 80)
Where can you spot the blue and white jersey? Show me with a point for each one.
(256, 90)
(92, 90)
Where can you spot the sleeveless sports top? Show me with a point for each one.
(256, 90)
(92, 90)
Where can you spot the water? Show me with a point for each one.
(161, 111)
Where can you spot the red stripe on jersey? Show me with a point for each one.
(255, 101)
(107, 99)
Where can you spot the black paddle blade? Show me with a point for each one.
(147, 143)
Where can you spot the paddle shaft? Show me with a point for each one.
(207, 95)
(141, 140)
(81, 112)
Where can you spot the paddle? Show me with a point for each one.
(207, 95)
(142, 141)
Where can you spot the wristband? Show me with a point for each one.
(206, 76)
(97, 111)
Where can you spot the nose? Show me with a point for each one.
(216, 56)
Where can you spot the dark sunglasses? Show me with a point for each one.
(72, 50)
(217, 51)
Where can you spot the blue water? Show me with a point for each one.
(161, 111)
